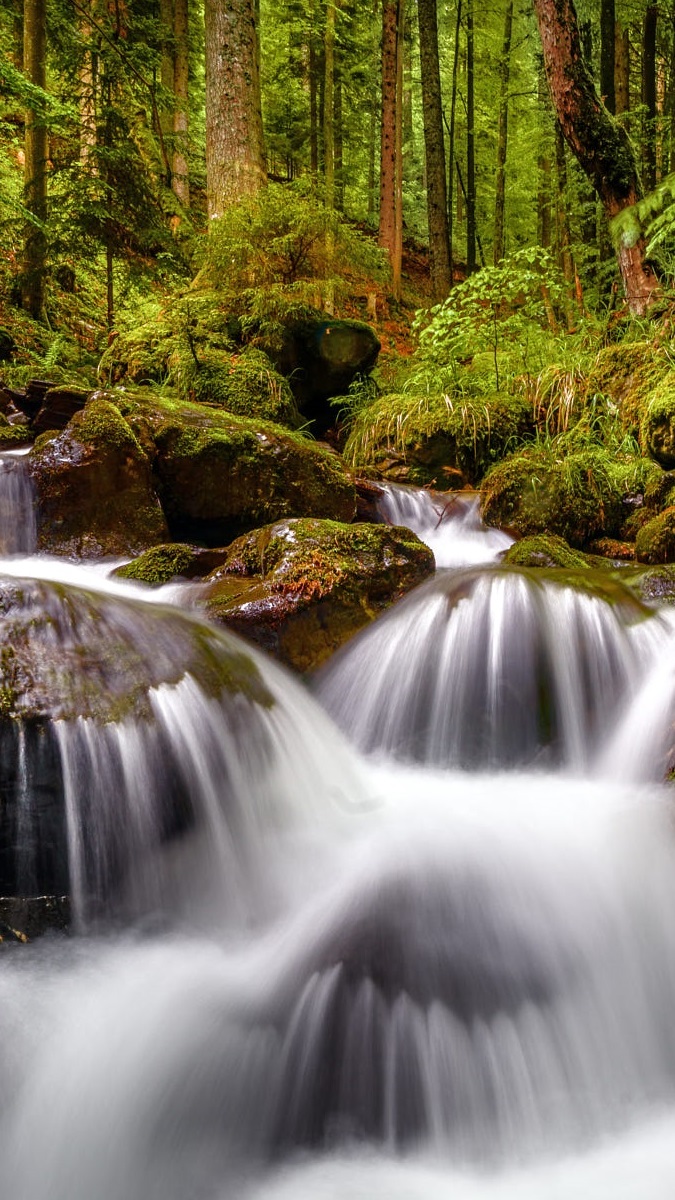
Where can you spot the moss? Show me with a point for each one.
(545, 550)
(431, 431)
(578, 496)
(245, 384)
(625, 373)
(657, 422)
(159, 564)
(12, 436)
(655, 542)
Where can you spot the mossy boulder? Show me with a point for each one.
(58, 407)
(220, 475)
(94, 487)
(12, 436)
(626, 373)
(436, 434)
(245, 384)
(579, 496)
(657, 423)
(655, 542)
(655, 585)
(174, 560)
(301, 588)
(545, 550)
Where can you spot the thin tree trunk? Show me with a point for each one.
(670, 95)
(35, 168)
(180, 180)
(649, 96)
(622, 69)
(543, 169)
(329, 105)
(562, 208)
(502, 135)
(470, 146)
(451, 140)
(235, 155)
(313, 96)
(338, 140)
(397, 262)
(432, 108)
(599, 143)
(607, 53)
(392, 41)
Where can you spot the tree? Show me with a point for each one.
(437, 210)
(391, 216)
(502, 138)
(601, 146)
(235, 153)
(35, 151)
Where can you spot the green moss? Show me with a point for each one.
(468, 432)
(245, 384)
(102, 422)
(625, 373)
(545, 550)
(159, 564)
(655, 542)
(657, 422)
(578, 496)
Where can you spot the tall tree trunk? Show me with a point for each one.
(451, 137)
(329, 105)
(543, 166)
(390, 153)
(434, 146)
(649, 96)
(235, 155)
(607, 53)
(622, 69)
(180, 179)
(502, 135)
(339, 139)
(313, 96)
(470, 145)
(397, 261)
(599, 143)
(35, 168)
(562, 208)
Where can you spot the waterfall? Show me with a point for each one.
(329, 945)
(450, 523)
(18, 528)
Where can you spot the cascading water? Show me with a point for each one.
(17, 512)
(449, 523)
(308, 974)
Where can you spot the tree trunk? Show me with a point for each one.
(543, 166)
(432, 108)
(622, 69)
(338, 140)
(649, 96)
(390, 154)
(35, 168)
(502, 135)
(180, 179)
(470, 146)
(607, 53)
(313, 96)
(329, 105)
(397, 261)
(601, 146)
(451, 138)
(562, 208)
(235, 157)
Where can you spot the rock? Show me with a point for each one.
(655, 585)
(26, 917)
(7, 345)
(94, 487)
(245, 384)
(655, 541)
(58, 406)
(301, 588)
(657, 426)
(174, 560)
(221, 475)
(12, 436)
(545, 550)
(612, 548)
(436, 440)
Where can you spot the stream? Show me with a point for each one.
(405, 933)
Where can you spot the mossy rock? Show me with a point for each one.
(12, 436)
(655, 542)
(245, 384)
(657, 423)
(545, 550)
(579, 496)
(174, 560)
(145, 354)
(301, 588)
(626, 373)
(94, 487)
(220, 475)
(434, 433)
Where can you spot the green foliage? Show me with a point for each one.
(504, 311)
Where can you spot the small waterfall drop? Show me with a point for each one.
(450, 523)
(18, 530)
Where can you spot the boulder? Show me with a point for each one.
(301, 588)
(94, 487)
(545, 550)
(12, 436)
(655, 541)
(245, 384)
(175, 560)
(58, 406)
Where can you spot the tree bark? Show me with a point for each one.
(434, 146)
(451, 138)
(35, 168)
(607, 52)
(649, 96)
(601, 146)
(235, 156)
(390, 154)
(502, 135)
(180, 178)
(622, 69)
(329, 105)
(470, 145)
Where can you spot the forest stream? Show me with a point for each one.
(406, 932)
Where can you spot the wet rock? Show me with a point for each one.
(175, 560)
(655, 541)
(301, 588)
(654, 585)
(28, 917)
(94, 487)
(12, 436)
(545, 550)
(58, 406)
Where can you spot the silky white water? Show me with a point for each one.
(302, 973)
(449, 522)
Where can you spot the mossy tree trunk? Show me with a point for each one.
(434, 146)
(35, 169)
(235, 155)
(601, 146)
